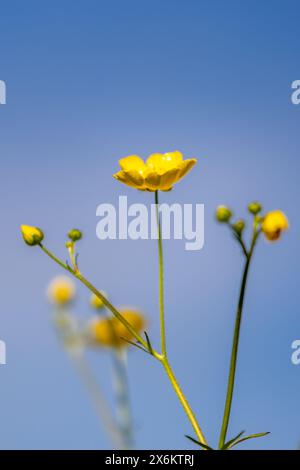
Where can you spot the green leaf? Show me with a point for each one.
(229, 444)
(251, 436)
(148, 343)
(134, 344)
(204, 446)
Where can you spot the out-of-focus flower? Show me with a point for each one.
(223, 214)
(75, 235)
(273, 224)
(254, 207)
(61, 290)
(97, 303)
(110, 332)
(159, 172)
(32, 235)
(239, 226)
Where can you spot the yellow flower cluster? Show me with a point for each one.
(159, 172)
(110, 332)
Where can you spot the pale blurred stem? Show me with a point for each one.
(98, 399)
(164, 358)
(124, 415)
(104, 300)
(160, 357)
(92, 386)
(236, 338)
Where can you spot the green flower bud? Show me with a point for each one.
(32, 235)
(75, 235)
(223, 214)
(254, 207)
(238, 227)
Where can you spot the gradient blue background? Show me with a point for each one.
(87, 83)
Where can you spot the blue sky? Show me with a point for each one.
(90, 82)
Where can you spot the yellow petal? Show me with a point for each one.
(133, 162)
(152, 180)
(134, 177)
(163, 162)
(168, 179)
(123, 177)
(185, 166)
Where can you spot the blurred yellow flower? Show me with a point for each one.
(32, 235)
(273, 224)
(61, 290)
(110, 332)
(160, 172)
(97, 303)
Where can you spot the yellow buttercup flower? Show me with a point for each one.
(32, 235)
(159, 172)
(97, 303)
(273, 224)
(61, 290)
(110, 332)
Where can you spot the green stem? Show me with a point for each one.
(183, 401)
(161, 281)
(160, 357)
(164, 359)
(235, 343)
(98, 294)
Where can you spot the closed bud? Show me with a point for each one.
(61, 290)
(75, 235)
(238, 227)
(223, 214)
(32, 235)
(254, 208)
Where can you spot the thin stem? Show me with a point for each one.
(164, 359)
(67, 334)
(183, 401)
(105, 301)
(98, 399)
(161, 281)
(235, 343)
(160, 357)
(122, 397)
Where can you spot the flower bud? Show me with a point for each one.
(274, 223)
(75, 235)
(61, 290)
(254, 208)
(32, 235)
(223, 214)
(96, 302)
(238, 227)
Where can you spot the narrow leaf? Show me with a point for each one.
(149, 344)
(134, 344)
(228, 444)
(251, 436)
(198, 443)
